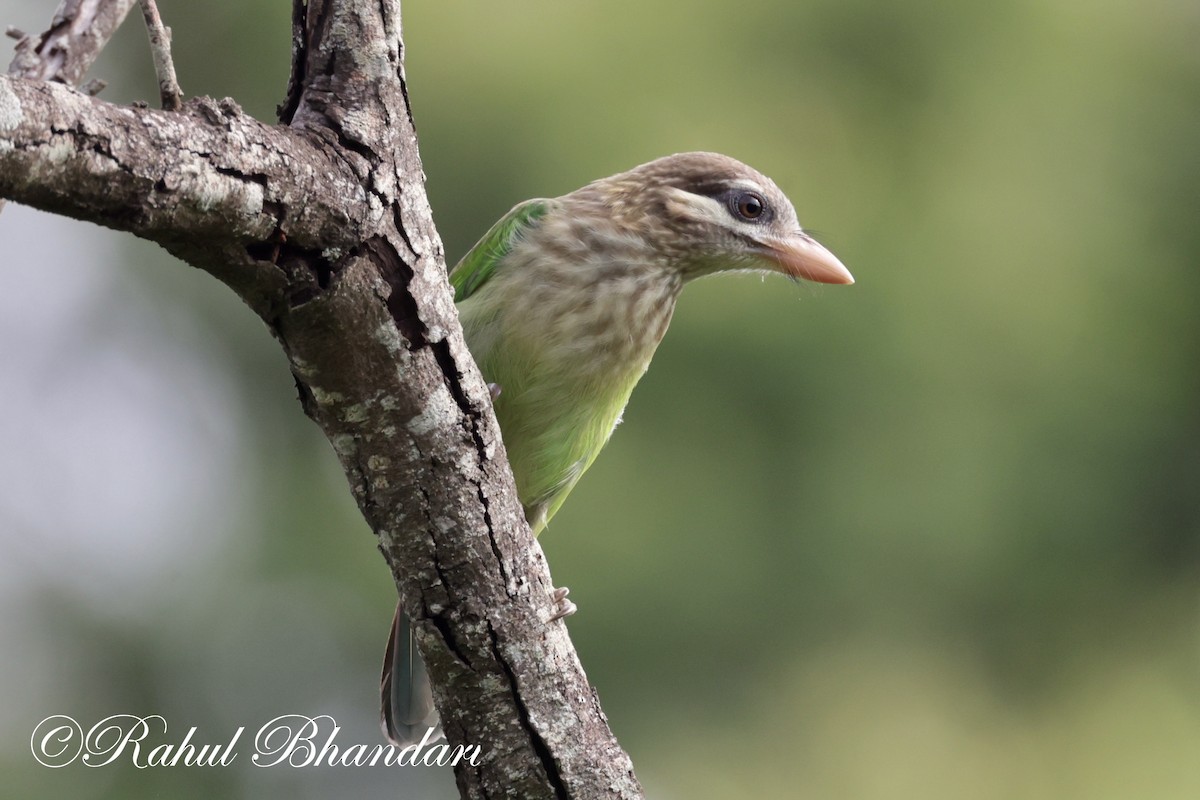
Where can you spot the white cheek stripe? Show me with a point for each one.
(685, 204)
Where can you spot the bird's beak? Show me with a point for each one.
(800, 256)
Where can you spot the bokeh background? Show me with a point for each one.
(936, 535)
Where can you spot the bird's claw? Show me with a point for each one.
(494, 390)
(562, 606)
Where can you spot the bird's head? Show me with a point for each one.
(705, 212)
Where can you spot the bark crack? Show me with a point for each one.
(491, 534)
(297, 78)
(545, 756)
(401, 303)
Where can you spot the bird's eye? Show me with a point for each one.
(749, 206)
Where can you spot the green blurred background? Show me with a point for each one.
(933, 536)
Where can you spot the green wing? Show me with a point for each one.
(479, 264)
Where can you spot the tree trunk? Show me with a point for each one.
(322, 226)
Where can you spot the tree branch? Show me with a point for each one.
(212, 185)
(79, 31)
(323, 227)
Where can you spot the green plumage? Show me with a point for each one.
(479, 264)
(542, 335)
(563, 303)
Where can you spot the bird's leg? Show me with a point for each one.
(562, 606)
(494, 390)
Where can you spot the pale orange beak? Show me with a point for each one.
(801, 256)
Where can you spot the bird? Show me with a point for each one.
(563, 303)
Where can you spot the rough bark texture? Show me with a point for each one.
(323, 227)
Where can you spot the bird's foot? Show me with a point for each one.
(562, 606)
(494, 390)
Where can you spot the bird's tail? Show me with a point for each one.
(405, 691)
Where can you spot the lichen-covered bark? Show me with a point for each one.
(323, 227)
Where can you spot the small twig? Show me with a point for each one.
(160, 48)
